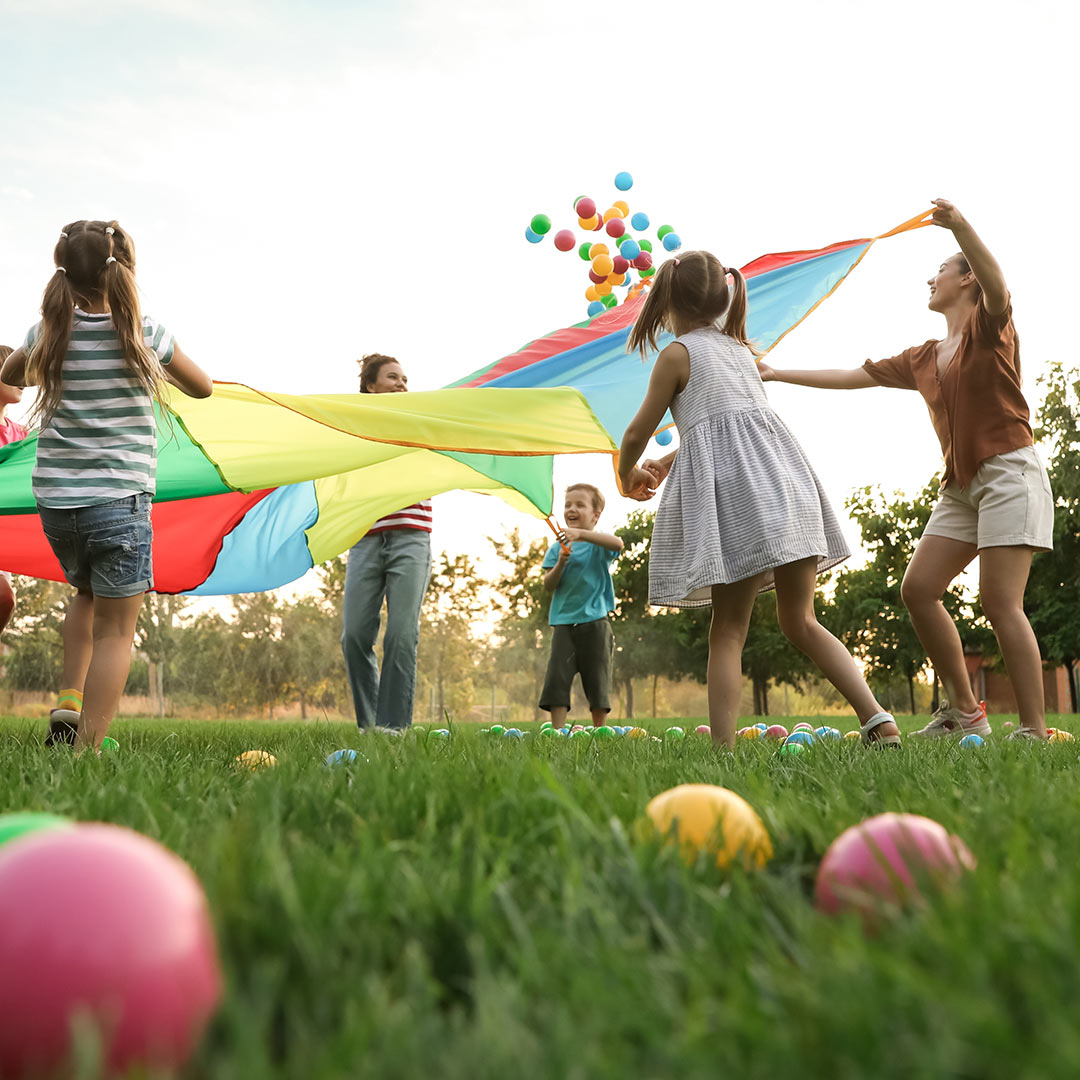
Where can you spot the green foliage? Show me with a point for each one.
(36, 659)
(479, 907)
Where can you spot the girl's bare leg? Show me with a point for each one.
(732, 606)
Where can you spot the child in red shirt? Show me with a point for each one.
(9, 432)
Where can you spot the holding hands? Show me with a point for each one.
(641, 482)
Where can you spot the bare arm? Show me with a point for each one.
(823, 379)
(554, 575)
(14, 370)
(669, 376)
(591, 536)
(995, 293)
(184, 373)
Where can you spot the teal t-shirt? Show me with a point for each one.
(585, 592)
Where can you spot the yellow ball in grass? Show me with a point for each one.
(852, 734)
(704, 817)
(255, 759)
(749, 733)
(637, 733)
(1061, 736)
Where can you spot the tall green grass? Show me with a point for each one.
(484, 908)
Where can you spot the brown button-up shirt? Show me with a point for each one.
(976, 405)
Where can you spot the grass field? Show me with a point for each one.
(481, 908)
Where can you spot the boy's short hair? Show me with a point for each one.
(594, 494)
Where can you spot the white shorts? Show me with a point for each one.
(1007, 504)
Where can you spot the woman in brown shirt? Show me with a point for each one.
(995, 501)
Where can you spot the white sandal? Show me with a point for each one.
(881, 740)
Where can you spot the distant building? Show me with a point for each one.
(993, 686)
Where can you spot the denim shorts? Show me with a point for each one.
(104, 549)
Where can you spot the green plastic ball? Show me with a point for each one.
(791, 749)
(12, 826)
(541, 225)
(584, 250)
(610, 300)
(604, 732)
(548, 732)
(496, 729)
(109, 745)
(584, 733)
(647, 273)
(660, 233)
(675, 733)
(645, 245)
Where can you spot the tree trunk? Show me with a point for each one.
(764, 697)
(303, 706)
(161, 688)
(655, 680)
(151, 684)
(442, 698)
(629, 684)
(757, 697)
(1070, 667)
(911, 691)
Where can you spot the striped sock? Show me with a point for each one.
(70, 699)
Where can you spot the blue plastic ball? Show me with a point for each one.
(827, 733)
(804, 737)
(595, 308)
(971, 742)
(514, 733)
(672, 242)
(533, 238)
(630, 250)
(624, 181)
(761, 727)
(663, 438)
(341, 757)
(640, 221)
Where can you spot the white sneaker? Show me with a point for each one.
(950, 723)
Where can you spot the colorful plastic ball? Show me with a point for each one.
(599, 223)
(439, 733)
(643, 261)
(604, 732)
(589, 223)
(775, 731)
(827, 733)
(675, 732)
(761, 725)
(540, 224)
(584, 250)
(663, 231)
(615, 227)
(640, 221)
(852, 734)
(790, 749)
(703, 729)
(1056, 736)
(806, 738)
(1008, 724)
(581, 733)
(603, 289)
(255, 759)
(13, 826)
(624, 181)
(630, 250)
(877, 863)
(612, 213)
(610, 301)
(748, 733)
(704, 817)
(585, 207)
(513, 733)
(972, 742)
(595, 308)
(496, 729)
(533, 237)
(637, 733)
(596, 278)
(620, 264)
(803, 727)
(548, 732)
(672, 242)
(341, 757)
(146, 975)
(663, 438)
(591, 294)
(109, 745)
(622, 206)
(603, 265)
(565, 240)
(646, 245)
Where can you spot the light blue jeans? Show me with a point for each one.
(395, 565)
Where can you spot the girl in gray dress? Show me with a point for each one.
(742, 510)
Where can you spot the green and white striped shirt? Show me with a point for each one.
(101, 443)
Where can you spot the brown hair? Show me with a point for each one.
(5, 352)
(370, 366)
(693, 287)
(95, 260)
(965, 268)
(594, 494)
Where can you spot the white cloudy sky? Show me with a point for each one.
(307, 182)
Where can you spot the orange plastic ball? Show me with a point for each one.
(603, 265)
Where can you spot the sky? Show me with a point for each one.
(309, 182)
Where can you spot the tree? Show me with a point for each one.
(36, 659)
(155, 637)
(311, 643)
(1052, 600)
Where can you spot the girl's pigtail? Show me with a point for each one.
(45, 363)
(653, 313)
(735, 323)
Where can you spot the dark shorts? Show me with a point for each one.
(104, 549)
(585, 648)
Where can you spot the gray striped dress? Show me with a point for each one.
(741, 498)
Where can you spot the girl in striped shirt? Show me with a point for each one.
(100, 367)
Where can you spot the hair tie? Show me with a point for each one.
(676, 262)
(61, 269)
(110, 259)
(109, 230)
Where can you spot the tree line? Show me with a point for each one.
(478, 636)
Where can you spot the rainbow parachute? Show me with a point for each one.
(255, 488)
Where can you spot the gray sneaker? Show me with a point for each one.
(950, 723)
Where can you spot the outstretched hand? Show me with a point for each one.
(946, 215)
(641, 484)
(767, 374)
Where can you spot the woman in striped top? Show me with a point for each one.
(100, 367)
(392, 560)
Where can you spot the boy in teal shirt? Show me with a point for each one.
(581, 639)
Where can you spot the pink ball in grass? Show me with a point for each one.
(777, 731)
(100, 922)
(886, 862)
(803, 727)
(703, 729)
(565, 240)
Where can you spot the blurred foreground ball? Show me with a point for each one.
(704, 817)
(1057, 736)
(143, 972)
(342, 757)
(255, 759)
(887, 861)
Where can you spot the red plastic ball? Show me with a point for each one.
(596, 278)
(585, 207)
(884, 861)
(615, 227)
(98, 919)
(643, 261)
(621, 264)
(564, 240)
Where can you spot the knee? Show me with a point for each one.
(1000, 609)
(915, 594)
(798, 627)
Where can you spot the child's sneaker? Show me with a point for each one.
(63, 727)
(950, 723)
